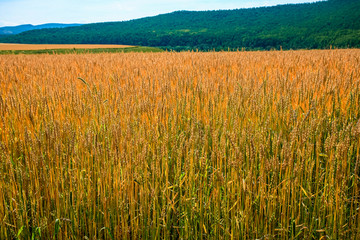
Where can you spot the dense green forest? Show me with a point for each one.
(325, 24)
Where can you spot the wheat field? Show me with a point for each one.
(226, 145)
(15, 46)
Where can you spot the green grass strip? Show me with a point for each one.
(82, 51)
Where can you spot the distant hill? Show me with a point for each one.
(28, 27)
(312, 25)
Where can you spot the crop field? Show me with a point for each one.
(55, 49)
(14, 46)
(191, 145)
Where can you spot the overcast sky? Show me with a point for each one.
(16, 12)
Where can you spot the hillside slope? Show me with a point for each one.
(312, 25)
(28, 27)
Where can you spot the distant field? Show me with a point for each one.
(14, 46)
(6, 49)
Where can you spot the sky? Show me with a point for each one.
(17, 12)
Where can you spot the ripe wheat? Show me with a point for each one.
(230, 145)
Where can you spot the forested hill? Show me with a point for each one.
(297, 26)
